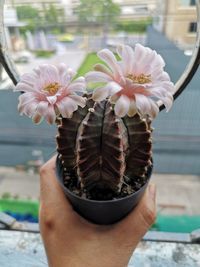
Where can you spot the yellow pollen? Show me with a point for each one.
(141, 79)
(52, 88)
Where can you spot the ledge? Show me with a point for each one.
(26, 250)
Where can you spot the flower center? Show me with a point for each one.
(141, 79)
(52, 88)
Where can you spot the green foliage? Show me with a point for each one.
(30, 15)
(90, 60)
(35, 19)
(44, 53)
(27, 13)
(88, 63)
(6, 195)
(100, 11)
(133, 26)
(16, 196)
(51, 14)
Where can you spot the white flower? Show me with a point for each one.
(50, 91)
(133, 84)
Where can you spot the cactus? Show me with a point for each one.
(104, 139)
(104, 152)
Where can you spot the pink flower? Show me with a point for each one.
(50, 91)
(135, 83)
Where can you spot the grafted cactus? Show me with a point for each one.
(105, 148)
(102, 150)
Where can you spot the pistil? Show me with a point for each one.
(52, 88)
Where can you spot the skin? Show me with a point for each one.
(70, 240)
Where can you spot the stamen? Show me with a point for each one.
(52, 88)
(141, 79)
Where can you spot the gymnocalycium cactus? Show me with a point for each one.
(104, 150)
(104, 138)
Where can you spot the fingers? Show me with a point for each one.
(147, 208)
(137, 223)
(145, 213)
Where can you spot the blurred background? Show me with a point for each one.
(72, 31)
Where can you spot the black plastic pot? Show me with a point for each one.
(101, 212)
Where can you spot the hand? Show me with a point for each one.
(71, 241)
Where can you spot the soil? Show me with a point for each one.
(129, 186)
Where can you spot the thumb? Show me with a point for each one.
(137, 223)
(146, 210)
(144, 214)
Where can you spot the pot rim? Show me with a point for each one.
(58, 162)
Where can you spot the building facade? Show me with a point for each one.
(177, 19)
(136, 8)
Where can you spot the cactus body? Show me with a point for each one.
(102, 150)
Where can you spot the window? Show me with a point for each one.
(187, 2)
(192, 27)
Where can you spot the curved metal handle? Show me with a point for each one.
(5, 59)
(192, 66)
(180, 85)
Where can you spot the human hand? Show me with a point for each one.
(71, 241)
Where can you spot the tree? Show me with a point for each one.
(101, 11)
(51, 14)
(27, 13)
(30, 15)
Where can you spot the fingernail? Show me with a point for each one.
(152, 191)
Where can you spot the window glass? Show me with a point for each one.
(53, 31)
(187, 2)
(192, 27)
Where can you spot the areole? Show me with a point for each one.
(180, 85)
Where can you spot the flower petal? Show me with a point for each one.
(109, 58)
(71, 72)
(25, 97)
(168, 101)
(146, 105)
(100, 94)
(29, 78)
(30, 109)
(66, 107)
(50, 115)
(142, 62)
(52, 99)
(77, 87)
(127, 55)
(42, 108)
(37, 118)
(26, 100)
(24, 87)
(81, 101)
(109, 89)
(122, 106)
(97, 76)
(62, 69)
(132, 109)
(48, 74)
(142, 103)
(113, 88)
(153, 112)
(114, 98)
(80, 79)
(102, 68)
